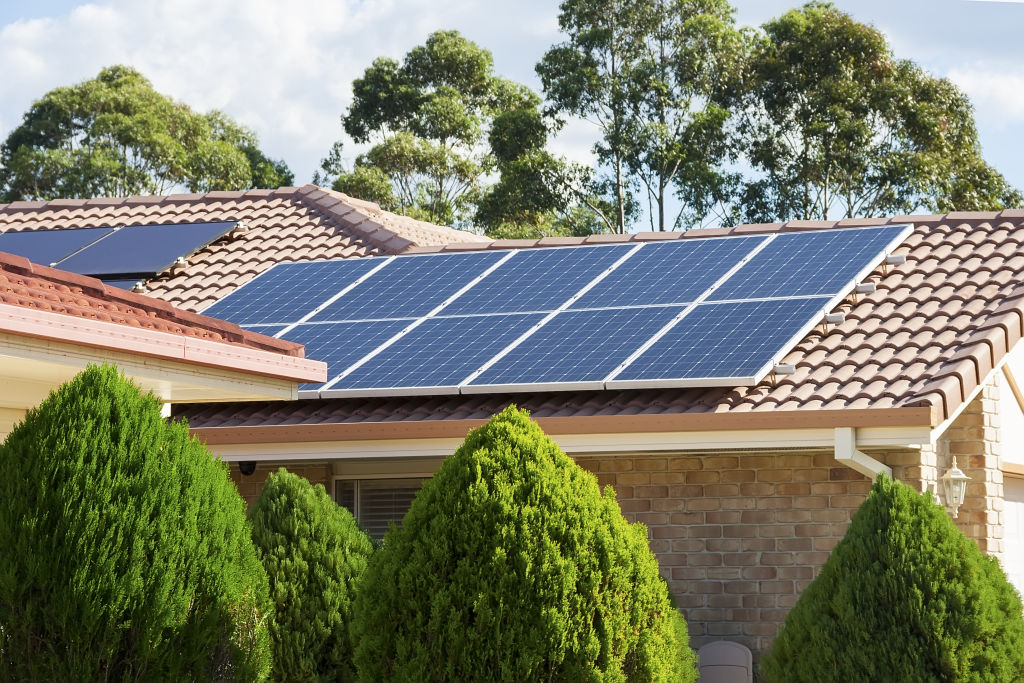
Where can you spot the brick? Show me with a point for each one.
(760, 629)
(685, 463)
(738, 476)
(724, 545)
(775, 586)
(673, 560)
(739, 503)
(817, 474)
(706, 531)
(845, 501)
(828, 488)
(679, 491)
(778, 615)
(741, 587)
(687, 517)
(824, 544)
(812, 530)
(668, 532)
(703, 504)
(757, 517)
(796, 573)
(814, 559)
(757, 573)
(776, 559)
(793, 489)
(689, 545)
(771, 475)
(721, 490)
(707, 587)
(724, 573)
(704, 560)
(795, 544)
(702, 477)
(635, 505)
(810, 502)
(739, 531)
(775, 503)
(615, 465)
(776, 531)
(725, 601)
(723, 517)
(666, 477)
(651, 492)
(792, 516)
(740, 559)
(757, 544)
(634, 478)
(668, 504)
(650, 464)
(756, 462)
(757, 490)
(724, 628)
(652, 518)
(721, 462)
(759, 601)
(689, 574)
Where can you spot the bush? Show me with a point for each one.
(126, 553)
(904, 597)
(313, 553)
(511, 565)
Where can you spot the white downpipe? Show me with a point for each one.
(847, 454)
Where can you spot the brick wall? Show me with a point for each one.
(251, 485)
(738, 535)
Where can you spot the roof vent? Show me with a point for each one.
(139, 287)
(865, 288)
(895, 259)
(239, 228)
(784, 369)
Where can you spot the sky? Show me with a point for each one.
(285, 68)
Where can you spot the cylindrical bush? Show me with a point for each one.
(126, 553)
(313, 553)
(904, 596)
(512, 565)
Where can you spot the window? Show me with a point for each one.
(376, 503)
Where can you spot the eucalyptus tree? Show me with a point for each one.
(834, 125)
(115, 135)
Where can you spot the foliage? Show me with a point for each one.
(313, 553)
(904, 596)
(426, 118)
(651, 74)
(126, 550)
(511, 565)
(834, 125)
(114, 135)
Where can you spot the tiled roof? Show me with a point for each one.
(929, 334)
(287, 224)
(27, 285)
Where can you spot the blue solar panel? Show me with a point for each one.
(410, 286)
(342, 344)
(143, 249)
(807, 263)
(669, 272)
(537, 280)
(289, 291)
(728, 340)
(122, 284)
(50, 246)
(578, 346)
(441, 352)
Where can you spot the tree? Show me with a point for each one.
(314, 554)
(114, 135)
(426, 118)
(652, 75)
(126, 551)
(835, 126)
(904, 596)
(511, 565)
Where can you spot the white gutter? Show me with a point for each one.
(846, 453)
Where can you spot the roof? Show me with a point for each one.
(46, 303)
(287, 224)
(916, 348)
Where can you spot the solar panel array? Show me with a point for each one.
(120, 256)
(717, 311)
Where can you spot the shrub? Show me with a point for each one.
(904, 597)
(511, 565)
(126, 554)
(313, 552)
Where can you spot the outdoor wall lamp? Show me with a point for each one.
(954, 483)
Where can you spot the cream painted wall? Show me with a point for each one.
(1011, 427)
(1013, 531)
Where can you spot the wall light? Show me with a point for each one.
(954, 483)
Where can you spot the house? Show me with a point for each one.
(744, 490)
(53, 324)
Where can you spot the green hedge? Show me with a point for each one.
(904, 596)
(126, 554)
(313, 553)
(512, 565)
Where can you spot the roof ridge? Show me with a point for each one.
(73, 203)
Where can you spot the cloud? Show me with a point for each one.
(996, 90)
(284, 69)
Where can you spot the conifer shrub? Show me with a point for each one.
(512, 565)
(126, 553)
(313, 553)
(904, 596)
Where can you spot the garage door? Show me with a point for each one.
(1013, 531)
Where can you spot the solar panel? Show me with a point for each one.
(673, 272)
(342, 344)
(143, 250)
(438, 354)
(537, 280)
(410, 286)
(50, 246)
(724, 344)
(575, 347)
(716, 311)
(287, 292)
(819, 262)
(123, 284)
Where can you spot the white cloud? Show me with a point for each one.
(996, 89)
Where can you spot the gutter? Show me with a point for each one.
(846, 453)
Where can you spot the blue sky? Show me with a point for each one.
(285, 69)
